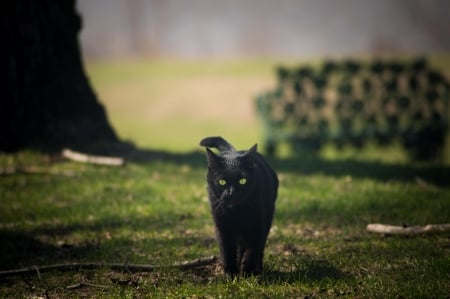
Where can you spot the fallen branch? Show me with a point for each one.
(407, 230)
(35, 170)
(200, 262)
(91, 159)
(84, 284)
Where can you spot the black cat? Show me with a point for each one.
(242, 191)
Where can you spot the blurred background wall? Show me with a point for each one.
(248, 28)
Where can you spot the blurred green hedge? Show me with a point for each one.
(352, 102)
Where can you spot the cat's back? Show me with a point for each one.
(267, 177)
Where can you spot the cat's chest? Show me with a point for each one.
(240, 217)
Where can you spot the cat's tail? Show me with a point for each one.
(217, 142)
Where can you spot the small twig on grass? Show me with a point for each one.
(200, 262)
(35, 170)
(91, 159)
(37, 271)
(84, 284)
(408, 230)
(186, 265)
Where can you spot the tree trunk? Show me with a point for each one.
(47, 101)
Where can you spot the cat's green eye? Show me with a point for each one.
(243, 181)
(222, 182)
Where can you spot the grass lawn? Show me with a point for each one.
(155, 210)
(170, 105)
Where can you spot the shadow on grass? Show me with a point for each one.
(101, 241)
(304, 165)
(51, 244)
(26, 249)
(438, 175)
(308, 271)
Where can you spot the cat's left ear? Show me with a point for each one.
(253, 149)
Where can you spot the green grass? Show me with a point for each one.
(162, 104)
(154, 210)
(157, 213)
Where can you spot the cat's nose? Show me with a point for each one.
(231, 190)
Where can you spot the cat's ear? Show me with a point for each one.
(248, 157)
(253, 149)
(213, 159)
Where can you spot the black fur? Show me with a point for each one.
(242, 209)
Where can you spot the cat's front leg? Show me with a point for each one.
(252, 261)
(228, 250)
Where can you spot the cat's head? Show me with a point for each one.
(231, 177)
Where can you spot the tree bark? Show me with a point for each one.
(47, 101)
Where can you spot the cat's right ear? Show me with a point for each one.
(213, 159)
